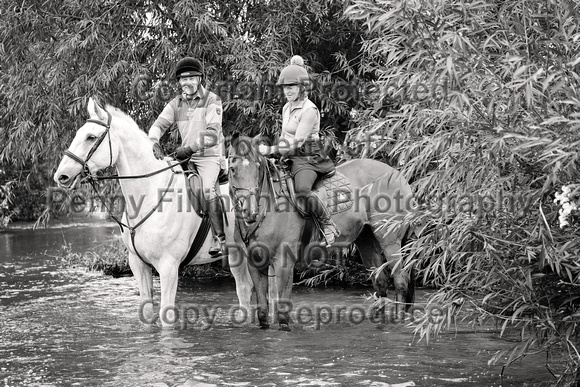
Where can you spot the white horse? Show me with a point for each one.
(157, 211)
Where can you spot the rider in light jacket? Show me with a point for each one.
(300, 143)
(198, 115)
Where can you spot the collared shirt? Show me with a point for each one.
(199, 120)
(291, 118)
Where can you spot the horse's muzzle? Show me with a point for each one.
(250, 209)
(65, 181)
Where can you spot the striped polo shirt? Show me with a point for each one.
(198, 119)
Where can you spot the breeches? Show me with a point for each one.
(208, 168)
(303, 182)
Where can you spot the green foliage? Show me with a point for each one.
(110, 259)
(18, 186)
(480, 109)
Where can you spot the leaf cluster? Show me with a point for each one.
(479, 107)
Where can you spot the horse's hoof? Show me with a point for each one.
(284, 327)
(264, 326)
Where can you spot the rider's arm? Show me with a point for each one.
(213, 120)
(162, 123)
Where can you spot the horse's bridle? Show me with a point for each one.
(251, 192)
(85, 171)
(263, 178)
(255, 191)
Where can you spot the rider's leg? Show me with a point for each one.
(209, 168)
(311, 203)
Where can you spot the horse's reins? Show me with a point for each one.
(86, 174)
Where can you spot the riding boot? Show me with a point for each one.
(216, 218)
(322, 214)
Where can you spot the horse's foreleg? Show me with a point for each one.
(142, 273)
(168, 271)
(260, 279)
(272, 295)
(244, 285)
(284, 268)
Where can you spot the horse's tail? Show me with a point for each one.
(410, 297)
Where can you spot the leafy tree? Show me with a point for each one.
(55, 55)
(480, 109)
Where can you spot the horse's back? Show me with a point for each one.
(361, 172)
(382, 192)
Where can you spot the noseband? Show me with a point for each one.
(85, 171)
(251, 192)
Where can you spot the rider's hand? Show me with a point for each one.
(185, 152)
(157, 151)
(264, 149)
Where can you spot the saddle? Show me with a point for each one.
(194, 186)
(333, 188)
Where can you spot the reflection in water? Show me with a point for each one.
(68, 327)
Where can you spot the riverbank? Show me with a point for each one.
(111, 259)
(108, 255)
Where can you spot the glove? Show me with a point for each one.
(185, 152)
(157, 151)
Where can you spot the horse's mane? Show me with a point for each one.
(128, 122)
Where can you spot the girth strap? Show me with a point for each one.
(198, 241)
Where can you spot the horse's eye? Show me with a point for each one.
(90, 137)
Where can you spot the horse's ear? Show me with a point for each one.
(234, 138)
(234, 142)
(95, 111)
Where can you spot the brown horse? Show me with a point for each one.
(270, 230)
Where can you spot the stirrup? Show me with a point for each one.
(330, 232)
(218, 248)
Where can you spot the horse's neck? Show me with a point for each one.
(136, 159)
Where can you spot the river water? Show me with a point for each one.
(65, 327)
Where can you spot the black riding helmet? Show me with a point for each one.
(188, 66)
